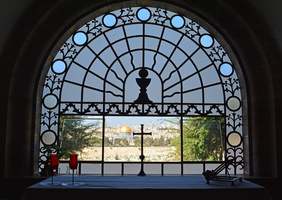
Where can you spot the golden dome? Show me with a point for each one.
(125, 129)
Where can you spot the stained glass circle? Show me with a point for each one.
(80, 38)
(48, 137)
(226, 69)
(206, 41)
(109, 20)
(234, 139)
(233, 103)
(143, 14)
(50, 101)
(59, 66)
(177, 21)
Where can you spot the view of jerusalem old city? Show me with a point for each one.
(85, 136)
(202, 139)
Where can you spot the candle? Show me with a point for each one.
(73, 161)
(54, 161)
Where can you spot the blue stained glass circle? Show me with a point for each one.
(177, 21)
(110, 20)
(80, 38)
(206, 41)
(59, 66)
(143, 14)
(226, 69)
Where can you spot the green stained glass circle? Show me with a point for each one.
(50, 101)
(233, 103)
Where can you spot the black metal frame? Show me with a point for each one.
(113, 83)
(137, 163)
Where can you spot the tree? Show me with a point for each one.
(77, 135)
(201, 139)
(108, 142)
(137, 142)
(121, 142)
(148, 142)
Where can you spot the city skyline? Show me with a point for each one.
(135, 121)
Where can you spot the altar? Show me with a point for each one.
(142, 187)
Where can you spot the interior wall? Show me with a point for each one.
(270, 14)
(37, 29)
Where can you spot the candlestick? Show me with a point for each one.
(53, 164)
(73, 165)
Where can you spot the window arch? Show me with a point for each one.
(143, 61)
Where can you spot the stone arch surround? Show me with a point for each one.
(33, 45)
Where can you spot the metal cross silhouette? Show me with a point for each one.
(142, 157)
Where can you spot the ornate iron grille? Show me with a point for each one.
(143, 62)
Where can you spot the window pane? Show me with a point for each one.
(81, 135)
(132, 168)
(123, 144)
(203, 139)
(112, 169)
(91, 168)
(172, 169)
(154, 169)
(193, 168)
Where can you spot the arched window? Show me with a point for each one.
(145, 63)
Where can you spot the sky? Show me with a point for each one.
(133, 121)
(130, 121)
